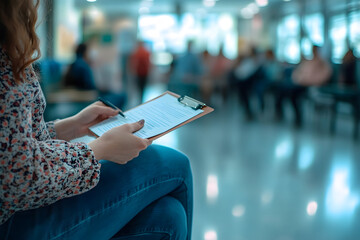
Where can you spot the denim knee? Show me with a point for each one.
(173, 216)
(176, 160)
(163, 219)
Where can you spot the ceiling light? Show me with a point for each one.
(312, 208)
(209, 3)
(262, 3)
(91, 0)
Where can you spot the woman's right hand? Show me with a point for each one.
(120, 145)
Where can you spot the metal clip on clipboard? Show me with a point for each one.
(190, 102)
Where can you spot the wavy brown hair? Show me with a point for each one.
(17, 33)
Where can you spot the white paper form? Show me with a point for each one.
(160, 115)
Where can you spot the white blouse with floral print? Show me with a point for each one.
(36, 169)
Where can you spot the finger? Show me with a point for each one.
(143, 144)
(148, 142)
(101, 118)
(99, 103)
(105, 111)
(136, 126)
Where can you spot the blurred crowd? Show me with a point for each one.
(259, 80)
(256, 78)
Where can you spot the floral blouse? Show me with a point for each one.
(36, 169)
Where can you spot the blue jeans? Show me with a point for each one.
(148, 198)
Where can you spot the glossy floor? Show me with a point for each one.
(265, 180)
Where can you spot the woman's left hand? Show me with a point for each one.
(78, 125)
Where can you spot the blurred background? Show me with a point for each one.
(279, 156)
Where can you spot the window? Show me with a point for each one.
(314, 33)
(338, 37)
(167, 32)
(288, 35)
(355, 32)
(314, 27)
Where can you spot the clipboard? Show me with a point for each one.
(186, 101)
(189, 102)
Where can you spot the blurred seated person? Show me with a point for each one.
(81, 77)
(314, 72)
(207, 80)
(246, 72)
(140, 66)
(79, 74)
(309, 73)
(219, 70)
(348, 70)
(271, 76)
(187, 72)
(273, 71)
(215, 74)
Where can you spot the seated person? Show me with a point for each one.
(79, 74)
(314, 72)
(308, 73)
(51, 187)
(186, 75)
(272, 75)
(348, 70)
(244, 75)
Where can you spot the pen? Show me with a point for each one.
(109, 104)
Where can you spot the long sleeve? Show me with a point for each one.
(51, 129)
(35, 169)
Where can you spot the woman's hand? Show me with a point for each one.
(120, 145)
(78, 125)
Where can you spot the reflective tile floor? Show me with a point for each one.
(265, 180)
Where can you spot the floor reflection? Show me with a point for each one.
(212, 188)
(340, 200)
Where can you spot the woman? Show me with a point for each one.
(51, 188)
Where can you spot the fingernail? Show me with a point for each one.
(141, 122)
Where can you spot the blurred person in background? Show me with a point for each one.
(80, 75)
(272, 76)
(126, 43)
(140, 67)
(309, 73)
(314, 72)
(245, 73)
(219, 73)
(348, 72)
(51, 187)
(206, 80)
(187, 73)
